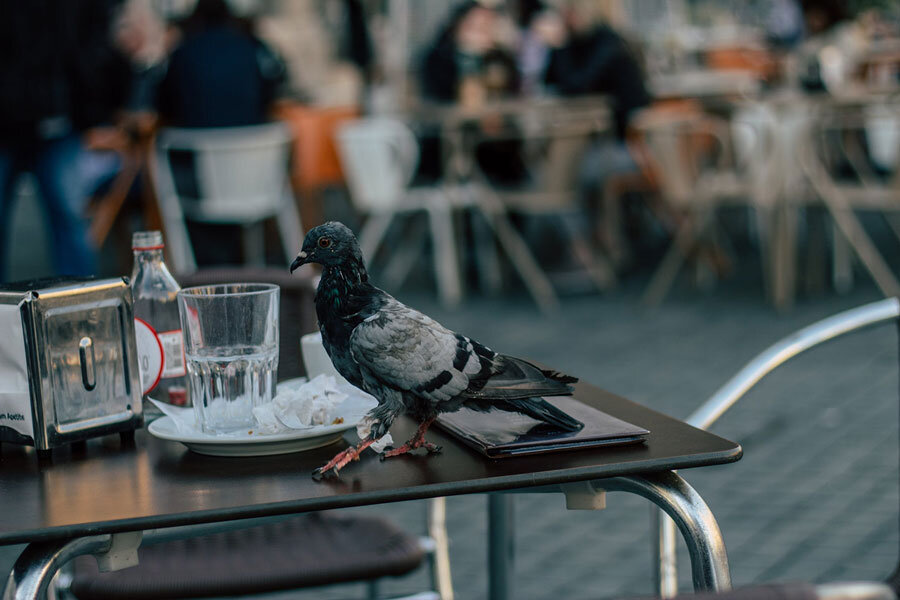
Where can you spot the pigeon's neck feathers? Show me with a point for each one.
(339, 283)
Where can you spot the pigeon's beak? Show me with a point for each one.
(299, 261)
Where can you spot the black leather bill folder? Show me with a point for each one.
(500, 434)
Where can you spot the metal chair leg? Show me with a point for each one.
(446, 262)
(30, 576)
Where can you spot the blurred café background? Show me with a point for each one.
(519, 147)
(534, 173)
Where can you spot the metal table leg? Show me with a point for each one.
(709, 562)
(501, 543)
(666, 489)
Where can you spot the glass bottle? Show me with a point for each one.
(160, 344)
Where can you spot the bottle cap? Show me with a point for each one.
(147, 240)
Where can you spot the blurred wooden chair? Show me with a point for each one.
(554, 151)
(688, 157)
(132, 143)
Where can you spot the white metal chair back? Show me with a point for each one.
(379, 157)
(240, 171)
(241, 178)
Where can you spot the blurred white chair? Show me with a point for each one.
(242, 178)
(379, 157)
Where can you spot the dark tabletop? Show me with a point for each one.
(106, 487)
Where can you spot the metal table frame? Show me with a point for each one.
(39, 562)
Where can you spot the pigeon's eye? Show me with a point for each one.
(324, 242)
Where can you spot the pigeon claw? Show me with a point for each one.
(321, 474)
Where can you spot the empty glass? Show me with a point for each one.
(231, 347)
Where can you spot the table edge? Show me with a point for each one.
(475, 486)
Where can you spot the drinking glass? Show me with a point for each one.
(231, 350)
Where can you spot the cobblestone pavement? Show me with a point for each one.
(814, 498)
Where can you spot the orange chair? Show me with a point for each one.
(315, 163)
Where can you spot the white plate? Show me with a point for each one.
(352, 409)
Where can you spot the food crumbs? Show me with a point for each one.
(338, 421)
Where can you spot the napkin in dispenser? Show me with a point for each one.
(68, 361)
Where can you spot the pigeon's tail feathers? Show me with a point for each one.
(557, 376)
(514, 378)
(541, 410)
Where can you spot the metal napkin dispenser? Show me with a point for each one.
(68, 361)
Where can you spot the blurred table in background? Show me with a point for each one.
(463, 129)
(704, 84)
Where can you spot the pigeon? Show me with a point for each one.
(409, 362)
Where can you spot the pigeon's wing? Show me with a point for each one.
(413, 353)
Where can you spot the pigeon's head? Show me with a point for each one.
(331, 245)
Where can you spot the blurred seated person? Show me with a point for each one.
(467, 65)
(219, 75)
(589, 57)
(59, 77)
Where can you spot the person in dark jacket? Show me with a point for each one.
(219, 76)
(59, 76)
(591, 58)
(465, 65)
(598, 61)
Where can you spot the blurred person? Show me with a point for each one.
(219, 75)
(829, 55)
(470, 63)
(453, 63)
(143, 36)
(538, 24)
(589, 57)
(59, 76)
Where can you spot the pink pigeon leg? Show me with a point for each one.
(417, 441)
(341, 459)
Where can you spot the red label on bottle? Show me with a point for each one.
(150, 355)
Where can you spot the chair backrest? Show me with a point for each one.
(379, 157)
(240, 171)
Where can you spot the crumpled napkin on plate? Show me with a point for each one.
(302, 407)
